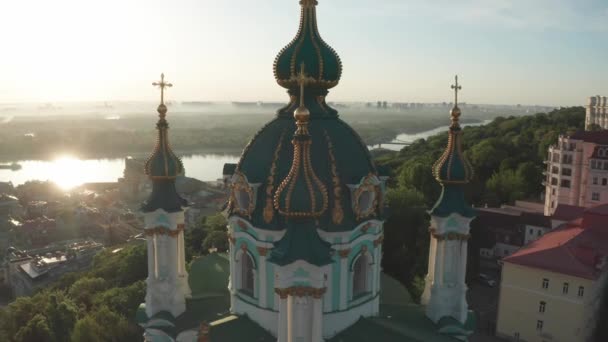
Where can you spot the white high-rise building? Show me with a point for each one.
(577, 171)
(597, 112)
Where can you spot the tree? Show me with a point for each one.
(36, 330)
(61, 317)
(507, 186)
(104, 325)
(406, 241)
(216, 239)
(122, 300)
(83, 290)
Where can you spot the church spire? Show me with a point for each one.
(163, 166)
(452, 167)
(445, 288)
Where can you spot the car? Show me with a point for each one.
(486, 280)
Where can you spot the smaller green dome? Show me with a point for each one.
(209, 275)
(452, 166)
(323, 64)
(163, 163)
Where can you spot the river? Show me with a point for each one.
(68, 172)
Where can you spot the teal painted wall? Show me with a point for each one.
(335, 283)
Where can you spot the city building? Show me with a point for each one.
(596, 112)
(502, 231)
(577, 171)
(35, 269)
(134, 185)
(550, 287)
(9, 206)
(305, 230)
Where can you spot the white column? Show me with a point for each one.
(150, 246)
(439, 263)
(181, 254)
(317, 320)
(155, 242)
(282, 330)
(432, 258)
(343, 282)
(463, 261)
(327, 302)
(291, 324)
(262, 281)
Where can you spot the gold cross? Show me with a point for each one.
(456, 88)
(162, 85)
(302, 80)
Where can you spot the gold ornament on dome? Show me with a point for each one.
(367, 186)
(301, 162)
(241, 186)
(269, 208)
(337, 213)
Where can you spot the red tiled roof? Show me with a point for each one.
(566, 212)
(598, 137)
(575, 249)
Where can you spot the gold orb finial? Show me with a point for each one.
(162, 108)
(302, 114)
(455, 112)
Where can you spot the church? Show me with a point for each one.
(305, 228)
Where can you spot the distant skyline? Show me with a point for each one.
(546, 52)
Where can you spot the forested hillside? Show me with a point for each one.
(507, 157)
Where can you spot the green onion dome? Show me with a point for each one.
(163, 163)
(163, 166)
(453, 171)
(452, 166)
(322, 176)
(323, 64)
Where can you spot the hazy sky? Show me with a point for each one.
(506, 51)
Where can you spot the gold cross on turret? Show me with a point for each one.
(162, 85)
(302, 80)
(456, 88)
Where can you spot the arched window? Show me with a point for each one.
(247, 276)
(361, 275)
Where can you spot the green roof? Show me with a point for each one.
(352, 163)
(301, 242)
(163, 162)
(452, 166)
(399, 319)
(164, 196)
(208, 275)
(322, 62)
(451, 201)
(234, 328)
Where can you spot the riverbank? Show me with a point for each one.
(183, 142)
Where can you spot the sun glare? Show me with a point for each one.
(67, 172)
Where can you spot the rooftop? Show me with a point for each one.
(576, 248)
(597, 137)
(566, 212)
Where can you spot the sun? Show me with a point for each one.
(67, 172)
